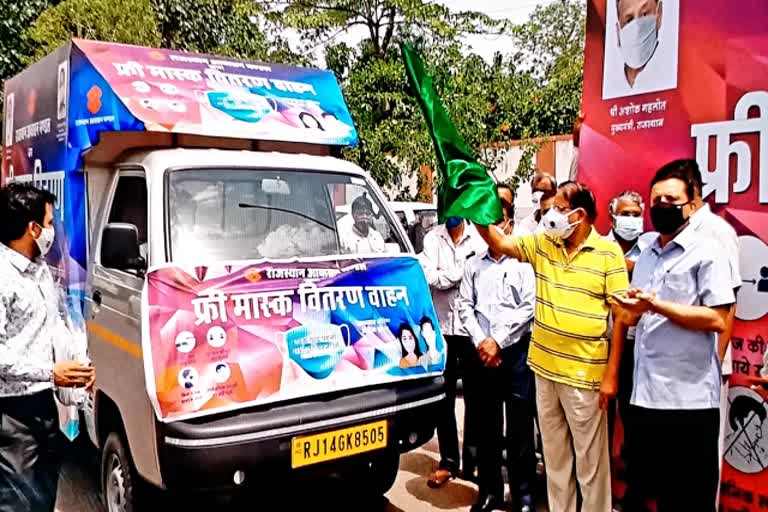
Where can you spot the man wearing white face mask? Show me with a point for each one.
(577, 271)
(542, 184)
(627, 223)
(29, 323)
(626, 210)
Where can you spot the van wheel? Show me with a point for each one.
(122, 489)
(380, 474)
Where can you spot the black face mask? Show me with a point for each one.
(667, 218)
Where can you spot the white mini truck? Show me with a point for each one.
(157, 158)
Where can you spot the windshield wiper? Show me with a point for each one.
(257, 206)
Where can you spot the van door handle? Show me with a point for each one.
(135, 303)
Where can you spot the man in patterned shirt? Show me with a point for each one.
(30, 319)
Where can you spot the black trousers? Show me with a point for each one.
(460, 350)
(674, 458)
(507, 390)
(29, 453)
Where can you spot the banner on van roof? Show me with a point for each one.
(205, 95)
(220, 338)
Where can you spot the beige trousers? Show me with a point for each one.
(571, 421)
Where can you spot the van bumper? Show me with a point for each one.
(205, 454)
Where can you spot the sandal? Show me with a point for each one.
(439, 478)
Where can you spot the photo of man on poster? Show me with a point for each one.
(641, 47)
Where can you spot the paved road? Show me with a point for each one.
(78, 491)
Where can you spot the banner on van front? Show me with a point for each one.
(689, 79)
(223, 337)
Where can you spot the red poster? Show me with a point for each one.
(668, 79)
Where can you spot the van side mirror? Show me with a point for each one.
(120, 248)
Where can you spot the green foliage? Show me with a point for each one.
(552, 39)
(245, 34)
(15, 17)
(192, 25)
(130, 21)
(320, 21)
(534, 92)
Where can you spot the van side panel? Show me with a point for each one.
(114, 336)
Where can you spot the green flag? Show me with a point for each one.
(465, 190)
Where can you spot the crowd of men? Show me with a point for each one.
(551, 323)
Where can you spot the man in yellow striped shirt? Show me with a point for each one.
(576, 372)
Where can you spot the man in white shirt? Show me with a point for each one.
(496, 305)
(627, 229)
(30, 327)
(447, 248)
(542, 184)
(361, 237)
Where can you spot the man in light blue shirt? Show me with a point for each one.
(495, 304)
(680, 298)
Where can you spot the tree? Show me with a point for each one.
(15, 17)
(130, 21)
(553, 38)
(248, 34)
(193, 25)
(321, 21)
(393, 139)
(543, 90)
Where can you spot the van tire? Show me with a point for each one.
(380, 474)
(122, 488)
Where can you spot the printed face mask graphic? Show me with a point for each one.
(185, 342)
(188, 378)
(217, 336)
(316, 348)
(222, 373)
(638, 41)
(241, 105)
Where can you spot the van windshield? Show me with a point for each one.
(240, 214)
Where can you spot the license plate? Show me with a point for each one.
(338, 444)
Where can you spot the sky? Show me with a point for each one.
(516, 11)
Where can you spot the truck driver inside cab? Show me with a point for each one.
(361, 237)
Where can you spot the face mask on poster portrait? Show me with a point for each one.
(638, 40)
